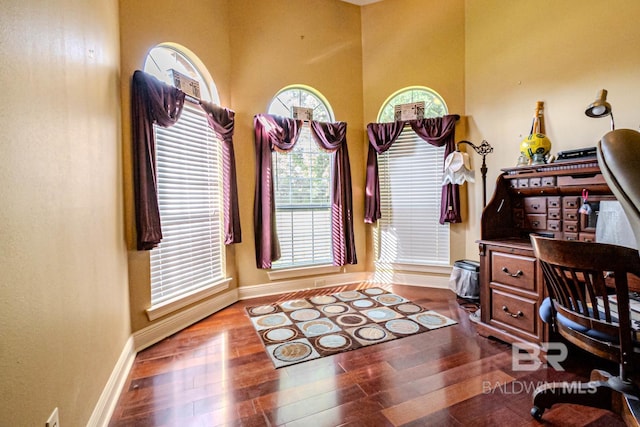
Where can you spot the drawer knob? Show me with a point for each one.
(518, 273)
(514, 315)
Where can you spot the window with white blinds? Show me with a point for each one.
(189, 164)
(410, 189)
(410, 175)
(302, 186)
(302, 179)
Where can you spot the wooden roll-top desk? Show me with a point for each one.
(543, 199)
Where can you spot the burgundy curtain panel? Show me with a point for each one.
(437, 131)
(271, 132)
(151, 102)
(222, 121)
(154, 102)
(281, 133)
(333, 137)
(381, 136)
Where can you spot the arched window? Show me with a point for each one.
(190, 259)
(411, 174)
(302, 185)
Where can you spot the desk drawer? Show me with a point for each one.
(513, 270)
(537, 221)
(571, 226)
(571, 202)
(554, 213)
(571, 215)
(554, 225)
(515, 311)
(587, 237)
(535, 205)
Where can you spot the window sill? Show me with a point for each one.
(303, 271)
(167, 307)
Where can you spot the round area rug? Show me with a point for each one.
(402, 326)
(295, 304)
(272, 320)
(304, 314)
(382, 313)
(262, 309)
(348, 320)
(292, 351)
(389, 299)
(370, 333)
(373, 291)
(333, 342)
(334, 308)
(323, 299)
(431, 319)
(279, 334)
(317, 327)
(362, 303)
(409, 308)
(348, 295)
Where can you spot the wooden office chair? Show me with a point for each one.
(580, 278)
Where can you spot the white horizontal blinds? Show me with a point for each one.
(411, 174)
(189, 165)
(302, 179)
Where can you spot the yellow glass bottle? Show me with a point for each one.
(536, 146)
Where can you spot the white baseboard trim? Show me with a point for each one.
(111, 393)
(437, 281)
(169, 326)
(301, 284)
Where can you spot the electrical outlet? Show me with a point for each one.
(319, 283)
(53, 420)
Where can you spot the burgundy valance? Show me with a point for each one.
(437, 131)
(281, 133)
(154, 102)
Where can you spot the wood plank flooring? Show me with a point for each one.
(216, 373)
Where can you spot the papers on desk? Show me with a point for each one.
(633, 304)
(634, 313)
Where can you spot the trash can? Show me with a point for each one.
(465, 279)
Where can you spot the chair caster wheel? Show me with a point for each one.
(537, 413)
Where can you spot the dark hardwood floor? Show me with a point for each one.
(216, 373)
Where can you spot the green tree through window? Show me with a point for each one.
(302, 186)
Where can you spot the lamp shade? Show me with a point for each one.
(600, 107)
(457, 169)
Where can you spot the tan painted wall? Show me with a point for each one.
(415, 43)
(276, 43)
(64, 312)
(559, 52)
(202, 27)
(64, 303)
